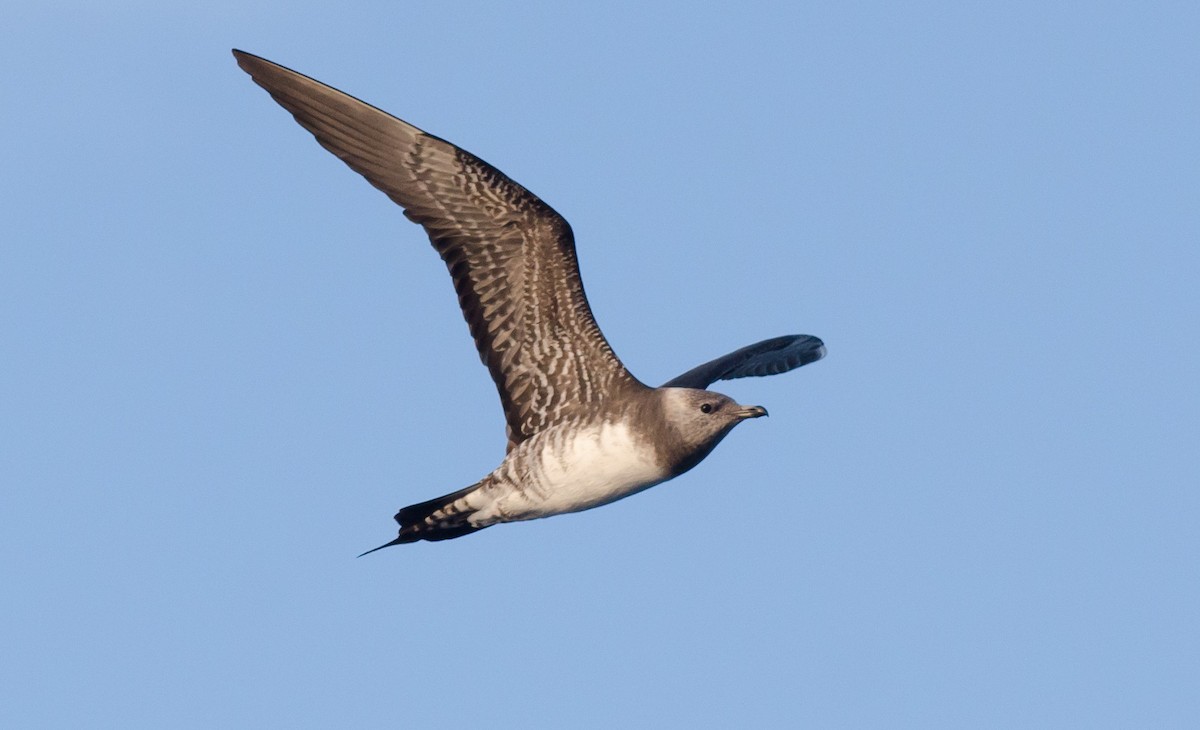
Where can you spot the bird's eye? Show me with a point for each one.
(706, 408)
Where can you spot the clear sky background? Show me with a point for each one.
(227, 361)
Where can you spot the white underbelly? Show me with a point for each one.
(590, 468)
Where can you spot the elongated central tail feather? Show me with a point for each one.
(442, 518)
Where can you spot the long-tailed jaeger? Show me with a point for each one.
(582, 431)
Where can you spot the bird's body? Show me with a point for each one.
(566, 468)
(630, 445)
(582, 431)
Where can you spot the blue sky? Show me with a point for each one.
(228, 360)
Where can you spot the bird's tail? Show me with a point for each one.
(443, 518)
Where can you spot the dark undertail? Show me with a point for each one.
(421, 521)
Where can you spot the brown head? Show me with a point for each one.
(693, 422)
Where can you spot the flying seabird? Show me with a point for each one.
(582, 430)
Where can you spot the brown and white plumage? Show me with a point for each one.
(511, 256)
(512, 260)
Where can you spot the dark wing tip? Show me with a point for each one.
(779, 356)
(256, 66)
(770, 357)
(243, 58)
(804, 349)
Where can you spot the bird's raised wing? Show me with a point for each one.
(769, 357)
(512, 258)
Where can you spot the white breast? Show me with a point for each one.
(576, 470)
